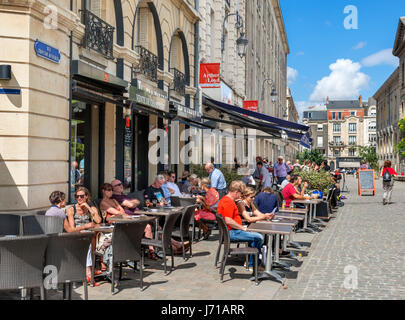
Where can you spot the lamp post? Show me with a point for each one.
(241, 42)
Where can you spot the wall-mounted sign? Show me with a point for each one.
(149, 96)
(184, 112)
(47, 52)
(10, 91)
(127, 132)
(210, 75)
(252, 105)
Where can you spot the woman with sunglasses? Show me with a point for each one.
(82, 216)
(108, 205)
(247, 208)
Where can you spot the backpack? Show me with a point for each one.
(386, 176)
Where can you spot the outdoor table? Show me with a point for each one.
(130, 219)
(102, 229)
(161, 212)
(307, 219)
(270, 230)
(294, 217)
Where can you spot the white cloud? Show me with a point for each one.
(380, 58)
(301, 53)
(360, 45)
(345, 82)
(292, 75)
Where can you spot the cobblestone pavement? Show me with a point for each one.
(365, 236)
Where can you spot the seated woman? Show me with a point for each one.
(112, 208)
(248, 210)
(266, 201)
(82, 216)
(209, 202)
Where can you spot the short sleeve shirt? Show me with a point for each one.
(151, 193)
(120, 199)
(266, 202)
(288, 193)
(227, 208)
(217, 179)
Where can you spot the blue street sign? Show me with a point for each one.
(47, 52)
(10, 91)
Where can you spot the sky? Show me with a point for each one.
(334, 54)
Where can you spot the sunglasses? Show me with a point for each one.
(80, 196)
(118, 185)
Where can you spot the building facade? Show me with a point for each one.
(292, 148)
(345, 128)
(90, 83)
(267, 60)
(316, 117)
(370, 123)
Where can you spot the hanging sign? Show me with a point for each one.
(251, 105)
(210, 75)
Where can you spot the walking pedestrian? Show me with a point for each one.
(217, 179)
(388, 182)
(280, 170)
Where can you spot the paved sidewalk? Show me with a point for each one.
(366, 236)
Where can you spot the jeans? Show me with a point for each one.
(255, 240)
(387, 186)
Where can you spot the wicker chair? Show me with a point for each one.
(35, 225)
(234, 251)
(127, 245)
(165, 244)
(22, 263)
(68, 253)
(9, 224)
(184, 232)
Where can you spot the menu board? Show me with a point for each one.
(366, 182)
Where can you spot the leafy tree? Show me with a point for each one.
(369, 154)
(400, 147)
(313, 156)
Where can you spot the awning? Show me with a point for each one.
(304, 139)
(280, 122)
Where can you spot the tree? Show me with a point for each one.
(369, 154)
(313, 156)
(400, 147)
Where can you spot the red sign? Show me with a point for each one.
(210, 75)
(251, 105)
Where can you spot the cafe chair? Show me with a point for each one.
(35, 225)
(68, 253)
(9, 224)
(139, 195)
(228, 251)
(175, 201)
(22, 263)
(184, 232)
(165, 243)
(127, 245)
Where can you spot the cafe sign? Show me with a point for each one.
(149, 96)
(185, 112)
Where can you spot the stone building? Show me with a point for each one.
(316, 117)
(292, 148)
(84, 86)
(345, 128)
(370, 123)
(267, 60)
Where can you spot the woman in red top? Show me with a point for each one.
(388, 181)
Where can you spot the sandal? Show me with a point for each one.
(103, 266)
(96, 284)
(97, 272)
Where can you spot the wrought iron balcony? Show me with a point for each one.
(334, 144)
(148, 64)
(179, 81)
(99, 35)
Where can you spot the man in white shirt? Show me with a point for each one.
(172, 185)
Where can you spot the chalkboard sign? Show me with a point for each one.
(128, 133)
(366, 182)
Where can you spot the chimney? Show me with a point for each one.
(361, 100)
(327, 100)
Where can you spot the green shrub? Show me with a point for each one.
(320, 181)
(229, 174)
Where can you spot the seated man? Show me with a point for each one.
(290, 192)
(185, 183)
(285, 182)
(229, 211)
(166, 192)
(172, 186)
(266, 201)
(130, 205)
(154, 193)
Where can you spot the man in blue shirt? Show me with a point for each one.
(217, 179)
(266, 201)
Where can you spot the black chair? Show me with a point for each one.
(22, 263)
(234, 251)
(9, 224)
(35, 225)
(165, 244)
(139, 195)
(184, 232)
(127, 245)
(175, 201)
(68, 253)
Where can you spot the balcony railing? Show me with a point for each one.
(99, 35)
(148, 64)
(179, 81)
(334, 144)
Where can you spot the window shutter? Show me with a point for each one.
(143, 27)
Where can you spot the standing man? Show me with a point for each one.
(217, 179)
(229, 211)
(280, 170)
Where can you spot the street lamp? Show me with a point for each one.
(273, 90)
(242, 42)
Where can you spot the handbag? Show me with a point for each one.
(103, 241)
